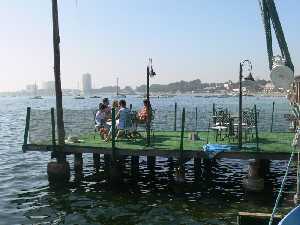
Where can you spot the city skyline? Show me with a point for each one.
(204, 40)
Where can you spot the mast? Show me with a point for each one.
(58, 91)
(117, 86)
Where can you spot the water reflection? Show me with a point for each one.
(151, 198)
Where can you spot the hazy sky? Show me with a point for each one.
(192, 39)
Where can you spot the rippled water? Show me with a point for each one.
(153, 198)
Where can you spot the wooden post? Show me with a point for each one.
(175, 116)
(272, 118)
(53, 127)
(180, 169)
(113, 134)
(256, 128)
(182, 136)
(27, 126)
(58, 91)
(214, 113)
(196, 119)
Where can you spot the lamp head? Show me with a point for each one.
(249, 77)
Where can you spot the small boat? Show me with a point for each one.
(292, 218)
(95, 96)
(37, 97)
(166, 96)
(79, 97)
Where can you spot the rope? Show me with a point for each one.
(282, 186)
(298, 173)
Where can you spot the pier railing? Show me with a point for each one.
(81, 122)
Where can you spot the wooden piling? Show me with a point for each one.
(78, 163)
(96, 159)
(197, 168)
(61, 157)
(27, 126)
(107, 163)
(135, 165)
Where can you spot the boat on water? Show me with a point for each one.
(292, 218)
(95, 96)
(166, 96)
(37, 97)
(79, 97)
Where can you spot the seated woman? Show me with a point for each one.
(100, 120)
(107, 108)
(115, 105)
(145, 112)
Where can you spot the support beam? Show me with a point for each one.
(197, 168)
(135, 165)
(96, 159)
(254, 182)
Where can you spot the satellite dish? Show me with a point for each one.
(281, 75)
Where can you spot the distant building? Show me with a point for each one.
(31, 88)
(269, 87)
(48, 88)
(86, 83)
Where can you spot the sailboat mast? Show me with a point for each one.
(117, 86)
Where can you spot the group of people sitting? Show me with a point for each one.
(126, 120)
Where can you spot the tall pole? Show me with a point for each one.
(148, 106)
(240, 107)
(58, 91)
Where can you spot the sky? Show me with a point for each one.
(195, 39)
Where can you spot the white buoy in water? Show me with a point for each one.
(281, 75)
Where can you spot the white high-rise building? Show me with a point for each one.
(49, 87)
(86, 83)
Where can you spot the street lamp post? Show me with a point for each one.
(249, 77)
(150, 73)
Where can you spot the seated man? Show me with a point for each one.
(123, 118)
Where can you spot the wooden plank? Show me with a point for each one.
(246, 218)
(160, 152)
